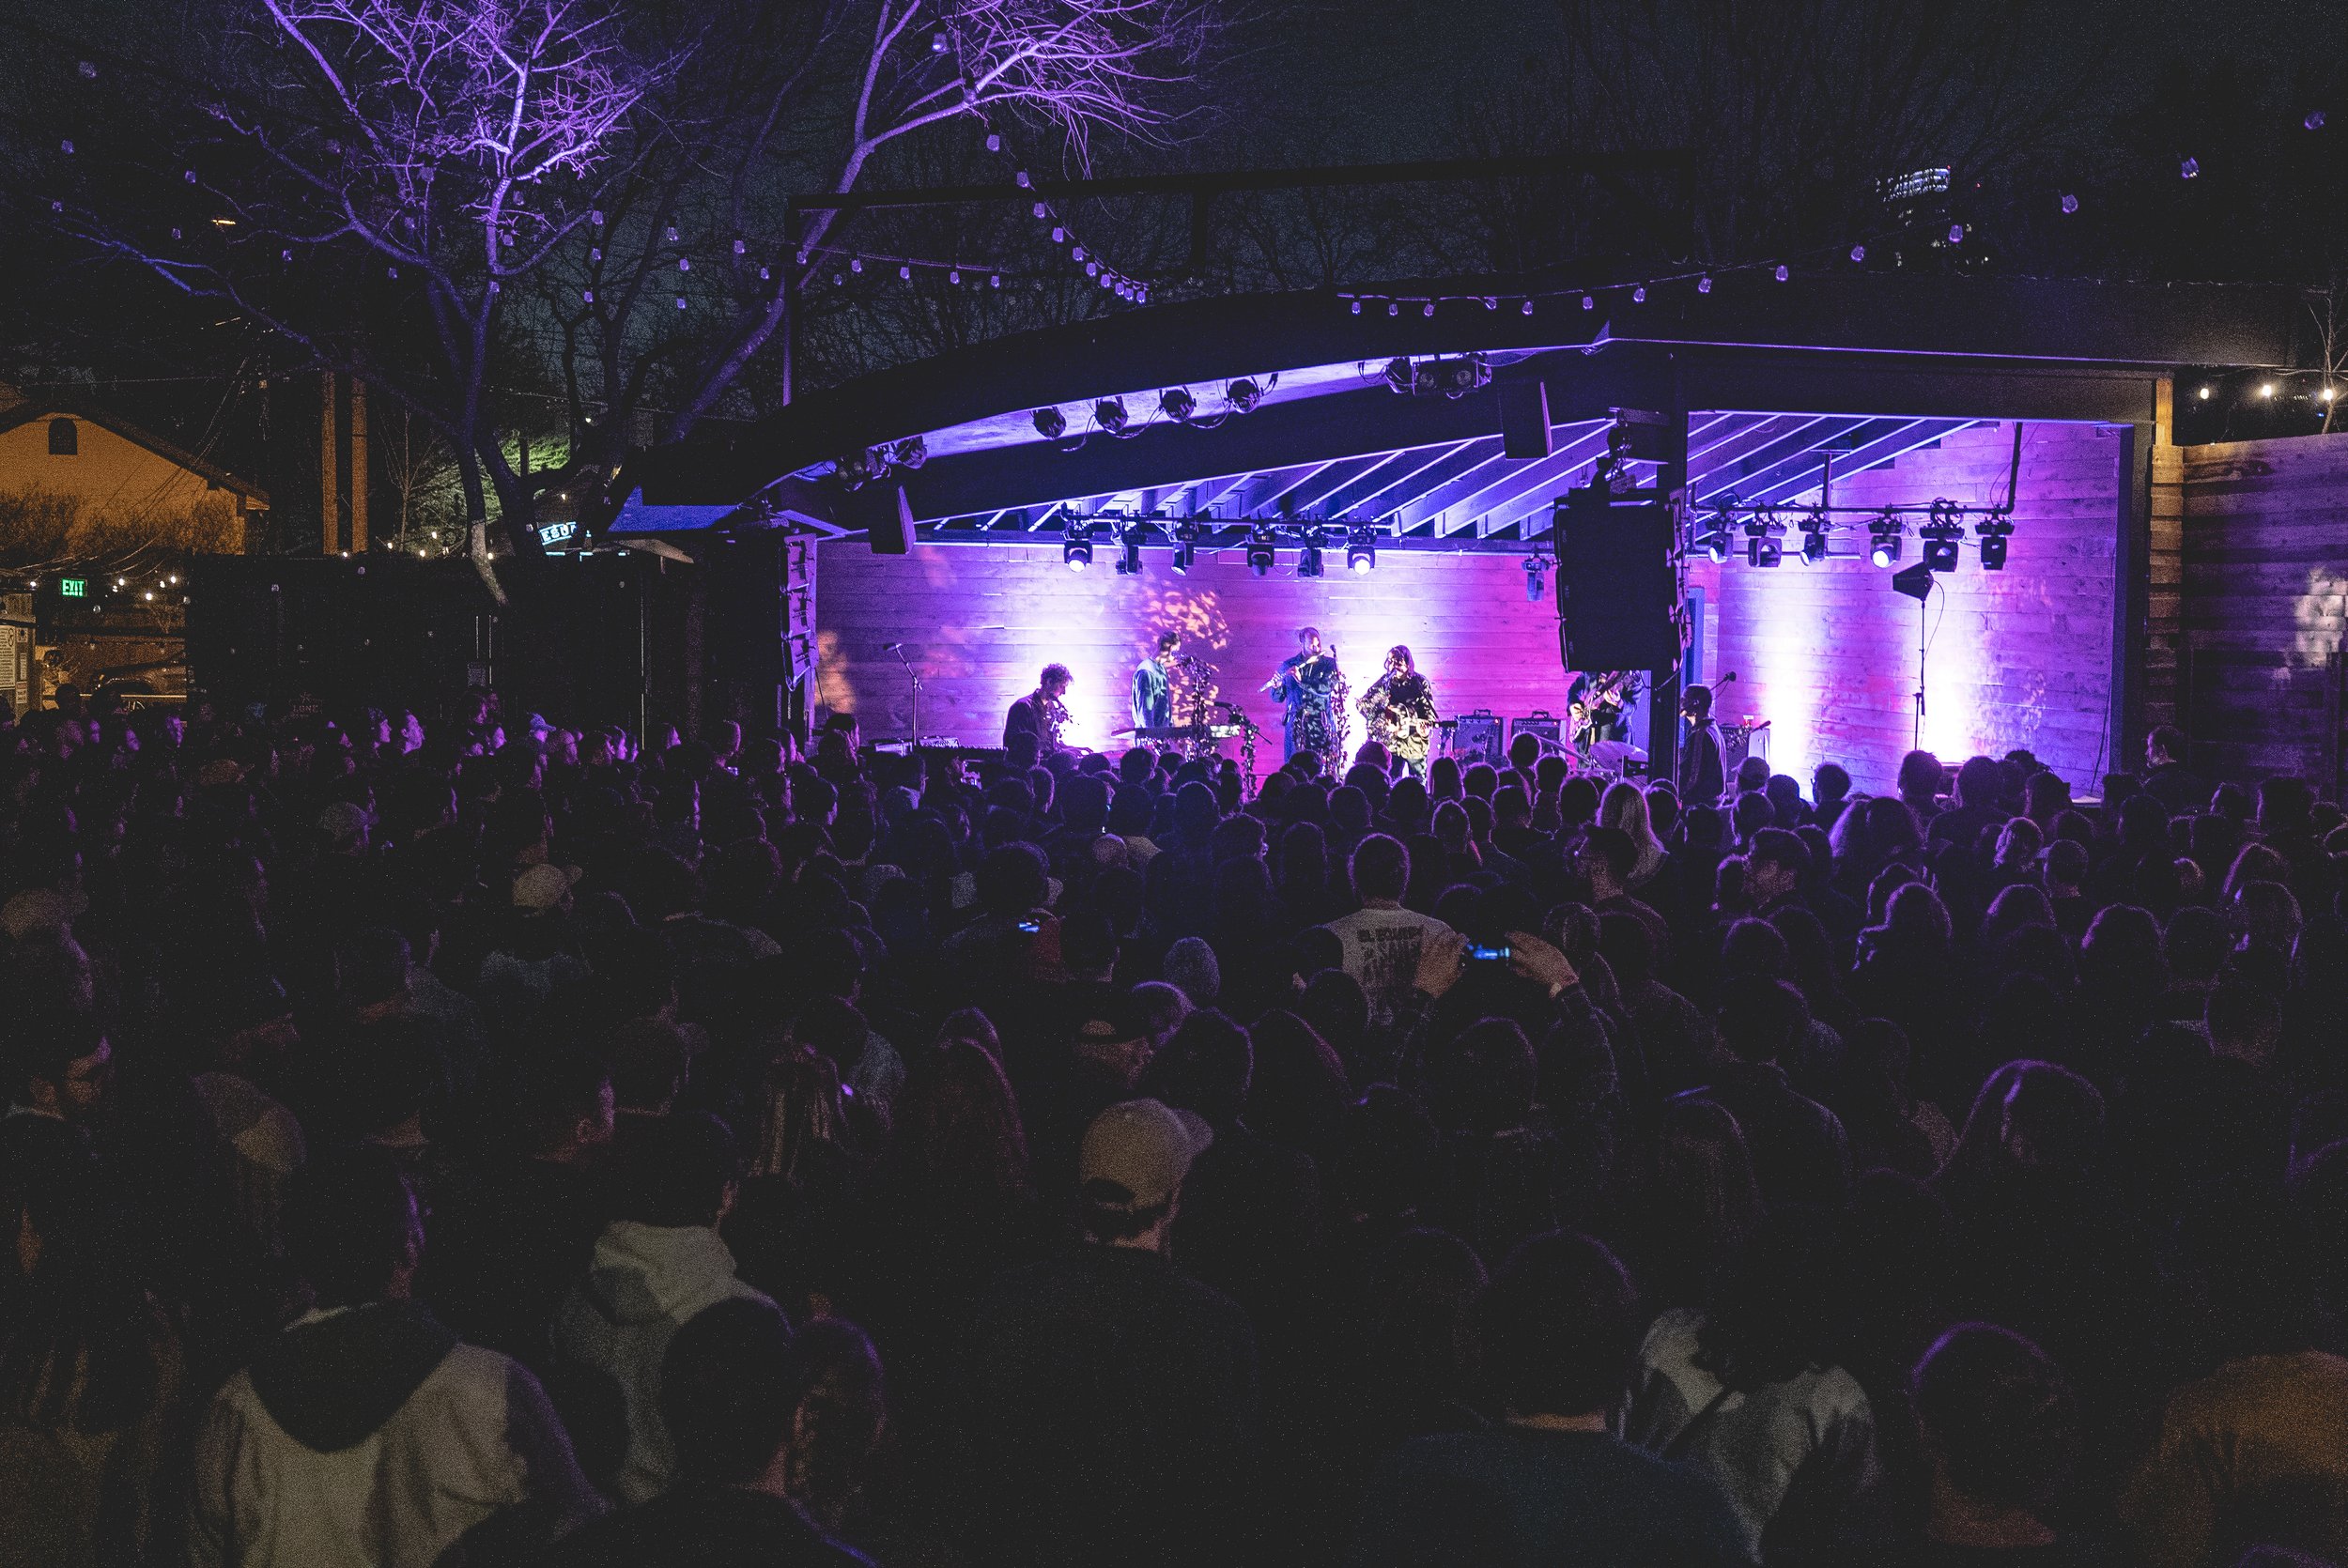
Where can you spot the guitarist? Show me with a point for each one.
(1400, 707)
(1596, 704)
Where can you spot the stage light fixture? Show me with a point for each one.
(1129, 551)
(1883, 540)
(1361, 550)
(1814, 528)
(1534, 568)
(1185, 547)
(1176, 404)
(2266, 389)
(1244, 394)
(854, 469)
(2205, 394)
(1051, 423)
(1263, 552)
(1941, 535)
(1308, 558)
(1401, 376)
(1762, 547)
(909, 453)
(1994, 534)
(1109, 414)
(1714, 546)
(1076, 547)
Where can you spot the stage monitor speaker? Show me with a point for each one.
(1615, 585)
(1477, 738)
(1524, 419)
(1541, 722)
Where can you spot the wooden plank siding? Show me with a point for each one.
(1827, 654)
(2263, 604)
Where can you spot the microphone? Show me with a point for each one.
(891, 647)
(1727, 680)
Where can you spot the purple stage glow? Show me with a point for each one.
(1825, 651)
(981, 621)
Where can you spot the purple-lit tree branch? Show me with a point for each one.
(457, 143)
(1075, 68)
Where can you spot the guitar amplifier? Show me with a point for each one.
(1475, 738)
(1740, 741)
(1541, 722)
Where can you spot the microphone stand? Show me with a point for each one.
(900, 651)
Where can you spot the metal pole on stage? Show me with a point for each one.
(1923, 648)
(899, 649)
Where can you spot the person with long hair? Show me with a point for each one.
(1624, 808)
(1400, 708)
(949, 1203)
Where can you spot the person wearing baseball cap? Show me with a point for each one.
(1068, 1353)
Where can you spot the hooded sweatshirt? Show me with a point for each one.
(646, 1281)
(369, 1435)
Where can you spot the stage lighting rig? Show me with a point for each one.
(1262, 549)
(1076, 547)
(1110, 415)
(1361, 550)
(1308, 558)
(1176, 404)
(1051, 423)
(1940, 534)
(1244, 394)
(1883, 539)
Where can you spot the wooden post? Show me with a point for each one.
(2131, 596)
(358, 466)
(330, 453)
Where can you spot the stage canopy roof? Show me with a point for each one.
(1777, 379)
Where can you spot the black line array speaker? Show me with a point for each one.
(1524, 419)
(1615, 582)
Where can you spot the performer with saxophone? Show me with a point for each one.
(1307, 688)
(1041, 713)
(1400, 708)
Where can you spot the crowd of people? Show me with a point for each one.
(438, 1142)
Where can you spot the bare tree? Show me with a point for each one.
(818, 98)
(452, 143)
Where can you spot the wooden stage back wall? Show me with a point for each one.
(980, 621)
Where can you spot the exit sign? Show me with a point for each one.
(73, 588)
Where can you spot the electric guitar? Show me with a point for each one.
(1603, 700)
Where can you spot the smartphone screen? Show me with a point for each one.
(1031, 927)
(1487, 955)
